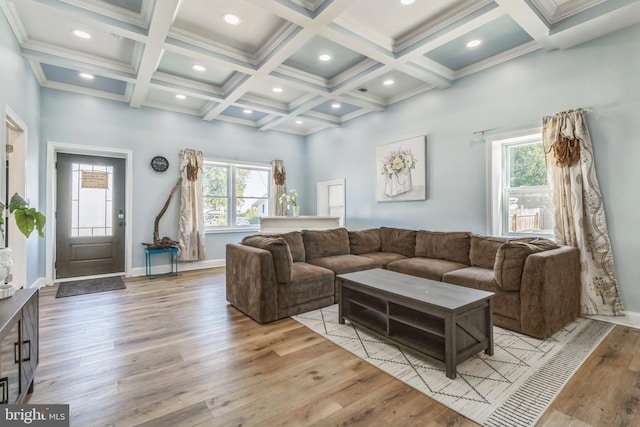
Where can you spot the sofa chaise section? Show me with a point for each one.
(264, 282)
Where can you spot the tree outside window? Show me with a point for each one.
(520, 202)
(244, 187)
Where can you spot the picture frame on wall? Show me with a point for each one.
(401, 170)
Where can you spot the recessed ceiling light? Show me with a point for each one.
(277, 89)
(474, 43)
(180, 96)
(231, 18)
(298, 122)
(324, 57)
(81, 34)
(86, 76)
(336, 105)
(198, 67)
(388, 82)
(247, 111)
(406, 2)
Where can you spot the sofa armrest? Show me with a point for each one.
(251, 282)
(550, 291)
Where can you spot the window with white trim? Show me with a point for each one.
(520, 196)
(235, 195)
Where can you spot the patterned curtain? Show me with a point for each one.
(279, 187)
(191, 223)
(579, 210)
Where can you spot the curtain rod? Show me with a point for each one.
(234, 158)
(585, 109)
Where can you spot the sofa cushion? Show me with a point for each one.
(510, 260)
(384, 258)
(322, 243)
(504, 304)
(308, 283)
(348, 263)
(364, 241)
(398, 240)
(484, 249)
(428, 268)
(450, 246)
(296, 245)
(280, 253)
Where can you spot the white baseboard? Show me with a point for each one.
(41, 282)
(182, 266)
(630, 318)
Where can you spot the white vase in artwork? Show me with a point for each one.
(6, 263)
(397, 183)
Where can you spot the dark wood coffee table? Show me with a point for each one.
(447, 322)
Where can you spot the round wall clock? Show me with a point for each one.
(159, 164)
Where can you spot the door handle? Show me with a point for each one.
(120, 214)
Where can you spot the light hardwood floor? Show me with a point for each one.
(172, 352)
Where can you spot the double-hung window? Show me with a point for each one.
(235, 194)
(520, 196)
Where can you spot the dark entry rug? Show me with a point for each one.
(89, 286)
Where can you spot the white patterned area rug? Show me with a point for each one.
(513, 387)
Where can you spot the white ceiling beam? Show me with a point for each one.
(287, 47)
(162, 17)
(79, 62)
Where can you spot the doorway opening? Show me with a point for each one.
(89, 172)
(15, 182)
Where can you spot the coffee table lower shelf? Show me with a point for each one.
(450, 335)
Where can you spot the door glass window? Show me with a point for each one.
(92, 200)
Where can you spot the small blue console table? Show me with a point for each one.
(173, 261)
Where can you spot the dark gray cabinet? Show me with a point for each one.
(18, 345)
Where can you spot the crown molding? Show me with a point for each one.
(356, 71)
(84, 91)
(410, 93)
(177, 84)
(212, 46)
(276, 40)
(498, 59)
(121, 14)
(353, 27)
(553, 12)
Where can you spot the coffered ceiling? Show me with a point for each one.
(266, 71)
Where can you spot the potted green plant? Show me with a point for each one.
(27, 219)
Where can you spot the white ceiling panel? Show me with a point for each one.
(142, 52)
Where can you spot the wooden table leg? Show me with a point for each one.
(340, 303)
(489, 320)
(450, 346)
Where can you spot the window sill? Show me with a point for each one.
(233, 230)
(534, 235)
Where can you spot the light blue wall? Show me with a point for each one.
(20, 92)
(83, 120)
(602, 75)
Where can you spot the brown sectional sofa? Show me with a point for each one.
(536, 282)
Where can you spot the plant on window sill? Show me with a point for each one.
(290, 199)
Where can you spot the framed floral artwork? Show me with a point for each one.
(401, 170)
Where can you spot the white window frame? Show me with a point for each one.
(497, 176)
(232, 165)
